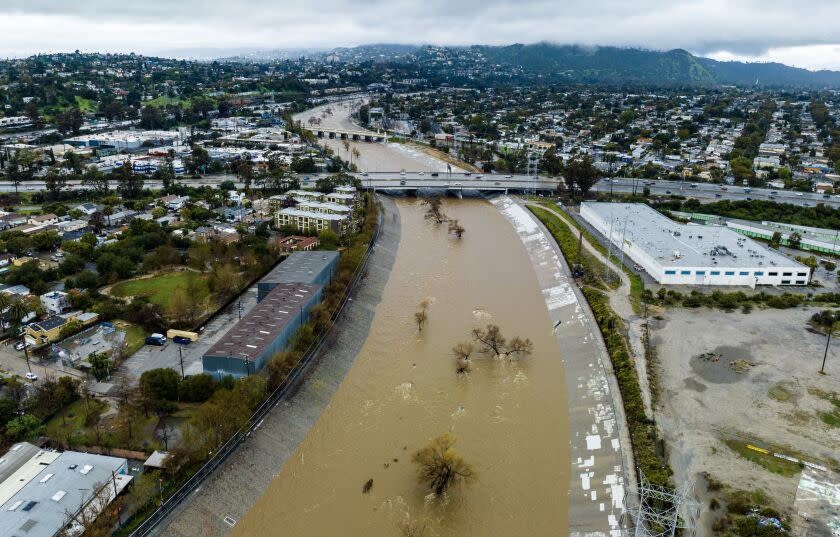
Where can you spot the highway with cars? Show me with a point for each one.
(714, 192)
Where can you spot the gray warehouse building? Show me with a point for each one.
(263, 332)
(314, 268)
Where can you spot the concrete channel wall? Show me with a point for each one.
(601, 454)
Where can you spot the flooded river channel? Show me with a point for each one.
(509, 417)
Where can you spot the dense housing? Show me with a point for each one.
(674, 253)
(264, 331)
(315, 268)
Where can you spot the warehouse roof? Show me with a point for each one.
(685, 245)
(41, 507)
(250, 337)
(301, 267)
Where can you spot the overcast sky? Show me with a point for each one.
(802, 33)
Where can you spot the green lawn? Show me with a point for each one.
(135, 337)
(87, 106)
(70, 422)
(160, 288)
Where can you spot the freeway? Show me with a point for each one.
(397, 180)
(709, 191)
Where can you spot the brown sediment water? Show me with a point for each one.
(509, 416)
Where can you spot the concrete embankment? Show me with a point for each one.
(245, 475)
(601, 456)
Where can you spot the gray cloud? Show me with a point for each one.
(741, 27)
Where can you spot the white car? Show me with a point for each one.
(421, 174)
(457, 184)
(799, 193)
(32, 376)
(508, 177)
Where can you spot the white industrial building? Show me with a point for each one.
(684, 254)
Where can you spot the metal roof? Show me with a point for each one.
(41, 507)
(257, 330)
(685, 245)
(301, 267)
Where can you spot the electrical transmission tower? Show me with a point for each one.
(661, 511)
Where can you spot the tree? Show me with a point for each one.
(795, 239)
(95, 179)
(462, 352)
(492, 340)
(456, 228)
(433, 210)
(70, 121)
(776, 240)
(100, 365)
(24, 428)
(581, 174)
(440, 466)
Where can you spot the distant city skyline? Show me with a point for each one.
(798, 34)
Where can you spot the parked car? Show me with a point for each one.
(181, 340)
(32, 376)
(156, 339)
(19, 346)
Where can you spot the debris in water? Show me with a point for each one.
(741, 366)
(367, 486)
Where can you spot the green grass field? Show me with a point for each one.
(87, 106)
(159, 289)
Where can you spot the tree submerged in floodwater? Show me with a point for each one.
(440, 466)
(492, 341)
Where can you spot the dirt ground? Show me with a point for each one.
(757, 384)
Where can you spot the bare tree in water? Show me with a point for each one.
(440, 466)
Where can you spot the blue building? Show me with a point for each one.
(314, 268)
(263, 332)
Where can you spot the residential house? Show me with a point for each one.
(43, 219)
(49, 330)
(55, 302)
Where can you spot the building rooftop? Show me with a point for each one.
(313, 214)
(300, 267)
(43, 505)
(250, 337)
(19, 466)
(686, 245)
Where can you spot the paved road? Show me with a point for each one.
(600, 442)
(710, 191)
(154, 357)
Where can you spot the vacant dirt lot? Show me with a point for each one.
(751, 378)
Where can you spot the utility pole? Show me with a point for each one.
(181, 360)
(827, 343)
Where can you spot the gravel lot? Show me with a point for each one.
(757, 385)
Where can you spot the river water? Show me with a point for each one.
(509, 417)
(373, 157)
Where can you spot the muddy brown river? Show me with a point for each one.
(509, 416)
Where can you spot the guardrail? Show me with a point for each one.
(291, 381)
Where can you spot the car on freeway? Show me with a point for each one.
(467, 174)
(718, 195)
(402, 172)
(749, 198)
(508, 177)
(421, 174)
(364, 174)
(667, 191)
(799, 193)
(497, 183)
(693, 185)
(32, 376)
(402, 183)
(435, 174)
(479, 176)
(457, 184)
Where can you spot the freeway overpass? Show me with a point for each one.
(344, 134)
(453, 182)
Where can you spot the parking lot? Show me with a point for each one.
(171, 354)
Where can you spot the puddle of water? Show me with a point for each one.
(509, 416)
